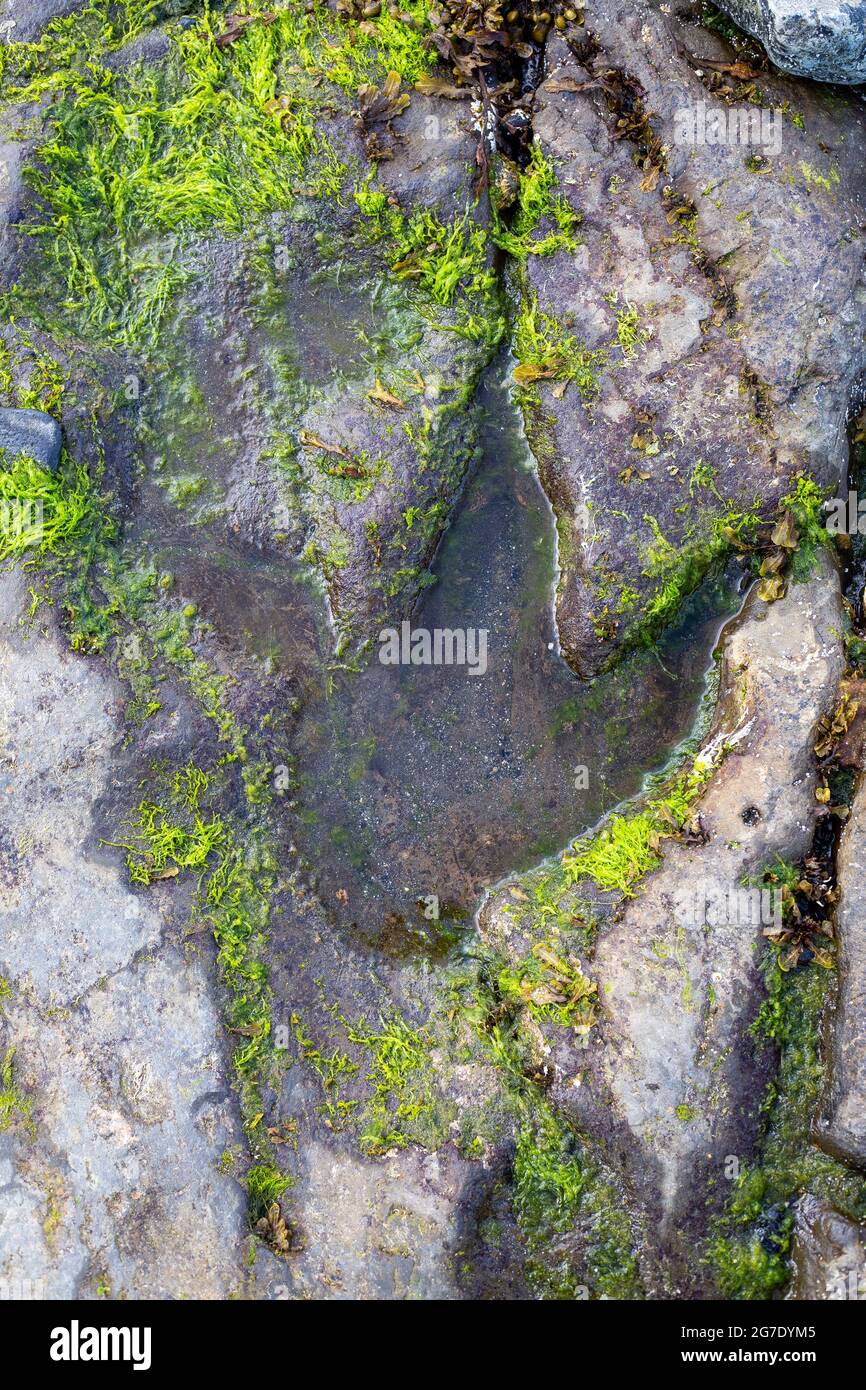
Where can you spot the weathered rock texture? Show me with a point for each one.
(671, 1081)
(821, 39)
(746, 276)
(678, 1025)
(109, 1164)
(828, 1252)
(290, 452)
(843, 1129)
(745, 266)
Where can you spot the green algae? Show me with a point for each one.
(448, 262)
(557, 1190)
(576, 1228)
(235, 867)
(265, 1185)
(41, 513)
(15, 1107)
(553, 987)
(539, 208)
(628, 846)
(805, 504)
(545, 351)
(221, 138)
(377, 1080)
(748, 1252)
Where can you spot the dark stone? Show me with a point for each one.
(31, 432)
(821, 39)
(829, 1253)
(843, 1130)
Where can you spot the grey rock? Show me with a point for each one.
(22, 21)
(745, 284)
(821, 39)
(671, 1080)
(843, 1129)
(31, 432)
(678, 1026)
(113, 1177)
(828, 1253)
(381, 1229)
(390, 1226)
(10, 185)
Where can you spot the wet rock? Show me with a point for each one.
(384, 1229)
(713, 283)
(109, 1165)
(334, 392)
(680, 991)
(10, 184)
(33, 433)
(23, 21)
(821, 39)
(369, 1219)
(828, 1253)
(381, 492)
(843, 1128)
(670, 1081)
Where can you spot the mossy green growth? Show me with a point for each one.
(805, 503)
(620, 854)
(574, 1219)
(333, 1069)
(324, 44)
(135, 156)
(749, 1248)
(41, 513)
(161, 847)
(753, 1267)
(399, 1081)
(553, 986)
(628, 846)
(236, 869)
(539, 205)
(30, 377)
(676, 573)
(378, 1078)
(546, 352)
(555, 1189)
(218, 137)
(629, 333)
(447, 264)
(14, 1105)
(265, 1184)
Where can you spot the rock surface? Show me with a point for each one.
(109, 1164)
(33, 433)
(821, 39)
(843, 1128)
(671, 1080)
(349, 446)
(308, 400)
(744, 265)
(829, 1253)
